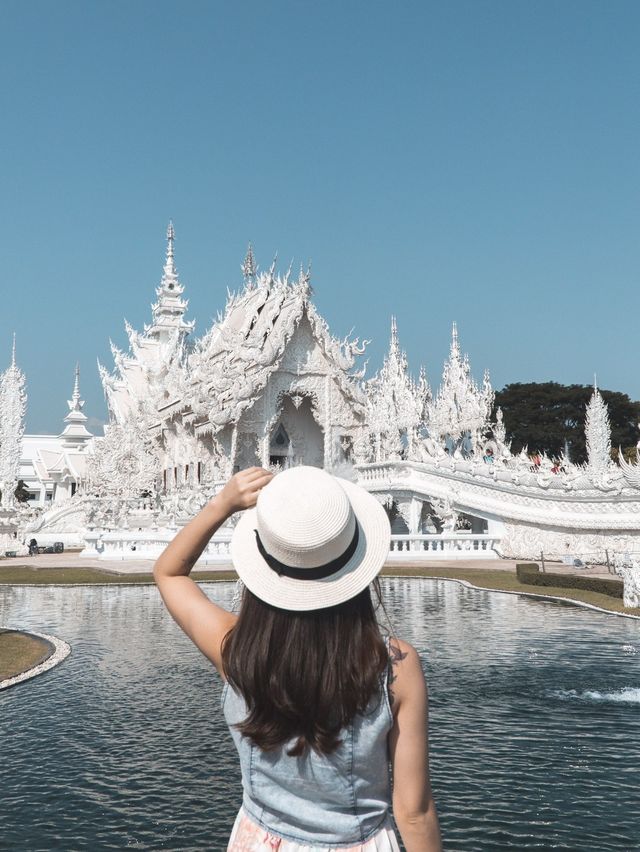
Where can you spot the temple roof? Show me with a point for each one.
(49, 456)
(233, 361)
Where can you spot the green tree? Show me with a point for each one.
(543, 415)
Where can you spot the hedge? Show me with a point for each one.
(530, 575)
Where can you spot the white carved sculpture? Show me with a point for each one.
(13, 406)
(503, 447)
(445, 513)
(124, 464)
(630, 472)
(629, 569)
(598, 439)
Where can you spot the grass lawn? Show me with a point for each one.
(481, 577)
(19, 652)
(30, 576)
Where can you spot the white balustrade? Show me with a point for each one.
(422, 547)
(125, 545)
(149, 544)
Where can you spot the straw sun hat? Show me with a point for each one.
(312, 541)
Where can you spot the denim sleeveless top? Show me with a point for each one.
(338, 799)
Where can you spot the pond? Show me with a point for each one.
(535, 723)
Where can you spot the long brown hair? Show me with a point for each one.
(304, 675)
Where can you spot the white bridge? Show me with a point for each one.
(507, 512)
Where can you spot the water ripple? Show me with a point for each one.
(626, 695)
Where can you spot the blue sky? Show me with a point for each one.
(475, 161)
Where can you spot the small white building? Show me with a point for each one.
(52, 467)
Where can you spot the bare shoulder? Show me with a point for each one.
(405, 672)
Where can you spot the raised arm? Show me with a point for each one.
(204, 622)
(413, 806)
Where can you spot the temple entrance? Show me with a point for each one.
(296, 438)
(280, 448)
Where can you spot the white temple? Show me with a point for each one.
(268, 384)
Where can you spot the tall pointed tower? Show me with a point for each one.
(169, 310)
(13, 407)
(75, 434)
(152, 370)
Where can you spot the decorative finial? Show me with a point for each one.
(455, 346)
(394, 334)
(170, 273)
(595, 382)
(76, 403)
(304, 281)
(13, 351)
(76, 384)
(249, 268)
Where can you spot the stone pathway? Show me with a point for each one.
(73, 559)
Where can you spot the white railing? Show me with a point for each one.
(149, 544)
(376, 472)
(424, 547)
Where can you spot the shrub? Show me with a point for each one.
(530, 575)
(525, 568)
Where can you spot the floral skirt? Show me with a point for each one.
(247, 836)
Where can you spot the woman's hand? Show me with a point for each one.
(241, 491)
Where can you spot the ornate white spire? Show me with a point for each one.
(395, 402)
(460, 412)
(75, 433)
(598, 433)
(169, 310)
(170, 273)
(13, 407)
(75, 403)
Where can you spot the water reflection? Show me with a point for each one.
(535, 719)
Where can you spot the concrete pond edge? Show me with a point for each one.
(60, 651)
(526, 595)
